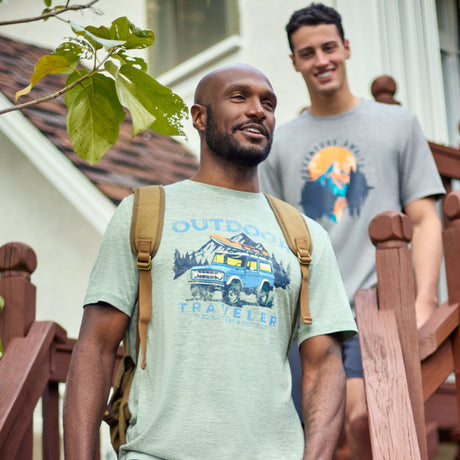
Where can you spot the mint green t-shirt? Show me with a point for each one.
(224, 290)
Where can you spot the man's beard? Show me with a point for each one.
(225, 146)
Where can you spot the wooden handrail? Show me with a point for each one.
(393, 435)
(393, 323)
(25, 371)
(36, 360)
(387, 330)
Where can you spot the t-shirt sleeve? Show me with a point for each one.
(329, 306)
(419, 176)
(114, 278)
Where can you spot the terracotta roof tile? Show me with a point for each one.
(148, 158)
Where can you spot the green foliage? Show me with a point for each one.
(95, 97)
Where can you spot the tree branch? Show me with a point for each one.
(47, 98)
(53, 13)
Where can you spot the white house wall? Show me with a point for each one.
(32, 211)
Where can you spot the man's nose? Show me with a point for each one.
(256, 109)
(321, 59)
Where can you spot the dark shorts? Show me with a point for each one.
(351, 357)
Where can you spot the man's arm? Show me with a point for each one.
(323, 395)
(427, 255)
(89, 378)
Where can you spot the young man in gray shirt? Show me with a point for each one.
(343, 161)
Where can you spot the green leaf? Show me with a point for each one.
(2, 351)
(70, 51)
(151, 104)
(47, 64)
(47, 2)
(2, 303)
(122, 30)
(95, 84)
(92, 126)
(134, 38)
(131, 60)
(98, 37)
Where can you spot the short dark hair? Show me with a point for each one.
(313, 15)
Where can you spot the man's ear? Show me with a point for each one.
(198, 113)
(293, 62)
(346, 44)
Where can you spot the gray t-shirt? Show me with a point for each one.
(345, 169)
(224, 289)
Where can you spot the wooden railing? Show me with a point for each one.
(405, 369)
(36, 359)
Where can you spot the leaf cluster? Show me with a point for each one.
(97, 97)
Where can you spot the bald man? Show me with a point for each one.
(217, 383)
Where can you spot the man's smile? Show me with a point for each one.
(254, 130)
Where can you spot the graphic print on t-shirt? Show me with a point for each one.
(236, 270)
(334, 181)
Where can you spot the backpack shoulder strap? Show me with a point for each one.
(146, 228)
(297, 235)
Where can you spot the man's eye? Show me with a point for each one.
(238, 97)
(269, 105)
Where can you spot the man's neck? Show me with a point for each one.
(324, 105)
(243, 180)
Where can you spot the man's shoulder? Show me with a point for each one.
(392, 112)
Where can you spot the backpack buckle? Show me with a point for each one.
(303, 256)
(143, 262)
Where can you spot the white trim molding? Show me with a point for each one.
(411, 54)
(71, 183)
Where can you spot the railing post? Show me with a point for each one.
(383, 89)
(17, 262)
(391, 232)
(451, 242)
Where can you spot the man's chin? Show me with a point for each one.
(251, 158)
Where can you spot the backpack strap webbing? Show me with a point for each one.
(146, 228)
(297, 235)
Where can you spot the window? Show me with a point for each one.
(265, 266)
(448, 12)
(185, 28)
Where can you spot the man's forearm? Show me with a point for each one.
(427, 255)
(88, 385)
(323, 405)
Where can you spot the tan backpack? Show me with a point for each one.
(148, 207)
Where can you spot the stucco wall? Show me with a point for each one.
(32, 211)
